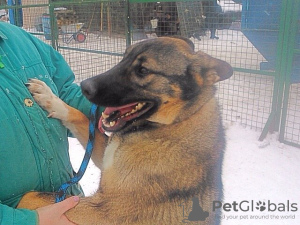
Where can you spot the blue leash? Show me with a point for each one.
(61, 193)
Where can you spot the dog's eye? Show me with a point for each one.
(142, 71)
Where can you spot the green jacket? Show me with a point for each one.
(33, 148)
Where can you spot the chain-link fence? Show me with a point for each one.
(260, 39)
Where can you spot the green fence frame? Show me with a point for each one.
(286, 50)
(291, 10)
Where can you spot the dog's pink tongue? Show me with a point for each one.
(122, 109)
(120, 122)
(100, 128)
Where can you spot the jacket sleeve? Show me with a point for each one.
(11, 216)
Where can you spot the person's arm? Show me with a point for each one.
(48, 215)
(55, 213)
(11, 216)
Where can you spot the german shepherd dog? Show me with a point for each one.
(167, 142)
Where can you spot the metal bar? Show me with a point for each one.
(273, 123)
(53, 27)
(265, 130)
(23, 6)
(291, 38)
(282, 54)
(291, 143)
(261, 72)
(146, 1)
(80, 2)
(91, 51)
(127, 23)
(253, 29)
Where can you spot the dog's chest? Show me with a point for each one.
(108, 159)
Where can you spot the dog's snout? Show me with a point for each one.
(88, 89)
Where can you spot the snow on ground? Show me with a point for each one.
(90, 180)
(253, 171)
(260, 171)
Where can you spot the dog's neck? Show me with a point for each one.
(139, 126)
(196, 104)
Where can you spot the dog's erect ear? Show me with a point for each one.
(188, 41)
(211, 69)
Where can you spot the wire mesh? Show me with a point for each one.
(98, 41)
(292, 127)
(247, 99)
(93, 35)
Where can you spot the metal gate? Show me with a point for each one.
(260, 39)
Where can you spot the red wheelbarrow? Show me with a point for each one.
(73, 32)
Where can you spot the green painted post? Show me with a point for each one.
(274, 118)
(284, 58)
(127, 23)
(282, 54)
(292, 20)
(53, 26)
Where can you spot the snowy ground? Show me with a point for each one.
(253, 171)
(260, 171)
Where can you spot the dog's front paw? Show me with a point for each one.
(44, 96)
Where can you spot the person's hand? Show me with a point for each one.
(55, 214)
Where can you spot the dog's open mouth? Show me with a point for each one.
(115, 118)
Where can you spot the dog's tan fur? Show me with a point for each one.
(157, 163)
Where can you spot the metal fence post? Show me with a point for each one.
(284, 58)
(289, 46)
(127, 23)
(53, 27)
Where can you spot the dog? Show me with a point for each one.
(167, 140)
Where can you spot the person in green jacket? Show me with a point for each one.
(33, 148)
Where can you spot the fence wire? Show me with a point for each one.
(251, 35)
(292, 128)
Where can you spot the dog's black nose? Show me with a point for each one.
(88, 89)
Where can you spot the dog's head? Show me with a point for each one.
(157, 80)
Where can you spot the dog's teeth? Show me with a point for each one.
(105, 123)
(104, 116)
(139, 106)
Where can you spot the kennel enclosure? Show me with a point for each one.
(260, 39)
